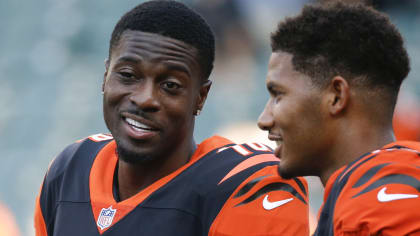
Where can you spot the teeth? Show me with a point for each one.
(137, 124)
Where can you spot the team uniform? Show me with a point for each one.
(377, 194)
(225, 189)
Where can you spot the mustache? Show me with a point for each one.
(138, 112)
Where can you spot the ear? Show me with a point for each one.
(338, 95)
(202, 96)
(105, 73)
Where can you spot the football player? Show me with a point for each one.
(148, 177)
(333, 78)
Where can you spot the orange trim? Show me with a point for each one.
(102, 174)
(252, 161)
(39, 222)
(208, 145)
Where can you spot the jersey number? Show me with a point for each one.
(241, 149)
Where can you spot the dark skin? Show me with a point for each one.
(153, 87)
(320, 129)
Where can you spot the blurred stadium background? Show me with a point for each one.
(52, 64)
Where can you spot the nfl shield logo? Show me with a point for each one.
(105, 217)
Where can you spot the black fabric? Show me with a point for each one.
(301, 186)
(248, 186)
(392, 179)
(185, 206)
(63, 189)
(369, 174)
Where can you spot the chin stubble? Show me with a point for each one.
(132, 157)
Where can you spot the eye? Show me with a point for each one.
(276, 95)
(126, 77)
(171, 86)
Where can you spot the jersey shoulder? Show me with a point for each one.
(229, 163)
(395, 164)
(381, 192)
(233, 178)
(81, 149)
(66, 180)
(265, 203)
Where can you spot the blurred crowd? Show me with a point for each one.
(52, 64)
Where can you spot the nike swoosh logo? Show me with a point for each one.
(387, 197)
(271, 205)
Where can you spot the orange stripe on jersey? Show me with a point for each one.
(40, 227)
(102, 174)
(255, 217)
(252, 161)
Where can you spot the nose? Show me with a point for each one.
(265, 120)
(145, 97)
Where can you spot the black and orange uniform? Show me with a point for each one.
(377, 194)
(225, 189)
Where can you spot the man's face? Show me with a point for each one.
(151, 92)
(293, 117)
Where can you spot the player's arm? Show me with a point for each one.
(265, 204)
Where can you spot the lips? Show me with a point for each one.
(275, 137)
(138, 125)
(139, 128)
(279, 141)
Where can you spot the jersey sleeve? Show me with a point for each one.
(265, 204)
(45, 201)
(382, 197)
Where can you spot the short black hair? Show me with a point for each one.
(174, 20)
(351, 40)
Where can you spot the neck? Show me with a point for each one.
(354, 141)
(132, 178)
